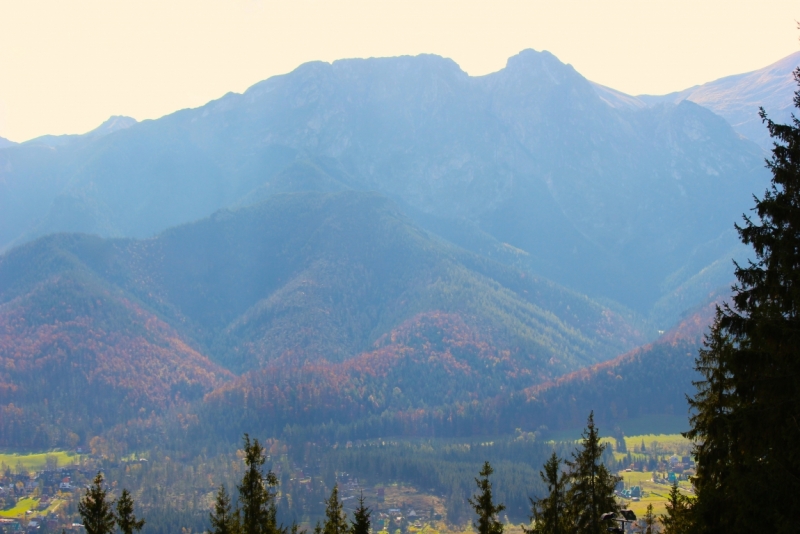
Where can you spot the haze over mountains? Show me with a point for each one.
(737, 98)
(631, 200)
(379, 242)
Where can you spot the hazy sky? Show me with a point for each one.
(66, 66)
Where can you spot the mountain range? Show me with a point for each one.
(615, 202)
(103, 334)
(372, 247)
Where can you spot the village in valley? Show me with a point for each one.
(39, 492)
(648, 466)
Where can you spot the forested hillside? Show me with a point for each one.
(77, 358)
(448, 384)
(333, 305)
(654, 379)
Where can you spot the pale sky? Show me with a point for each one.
(66, 66)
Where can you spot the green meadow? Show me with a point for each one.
(37, 461)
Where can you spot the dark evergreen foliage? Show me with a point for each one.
(126, 521)
(361, 518)
(96, 510)
(591, 492)
(745, 419)
(549, 514)
(678, 519)
(484, 506)
(335, 517)
(256, 502)
(449, 468)
(223, 521)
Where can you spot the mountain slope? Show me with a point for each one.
(338, 284)
(431, 361)
(654, 379)
(437, 375)
(328, 274)
(77, 358)
(605, 199)
(738, 97)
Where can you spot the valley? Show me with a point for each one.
(409, 500)
(387, 271)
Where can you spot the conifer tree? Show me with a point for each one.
(484, 506)
(223, 521)
(256, 502)
(97, 512)
(745, 412)
(715, 445)
(361, 518)
(335, 518)
(126, 521)
(549, 513)
(591, 493)
(677, 520)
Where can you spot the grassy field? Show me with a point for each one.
(655, 494)
(660, 444)
(23, 505)
(37, 461)
(28, 503)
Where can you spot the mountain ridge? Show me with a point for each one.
(529, 156)
(737, 98)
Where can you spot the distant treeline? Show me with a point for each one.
(173, 489)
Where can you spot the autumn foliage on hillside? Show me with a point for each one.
(652, 379)
(437, 374)
(336, 310)
(77, 353)
(431, 360)
(435, 370)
